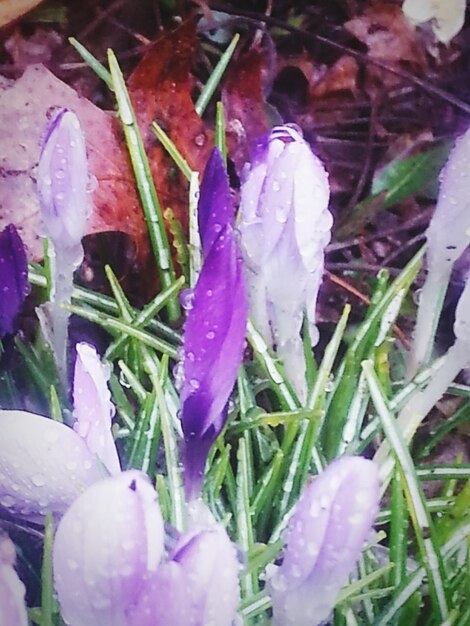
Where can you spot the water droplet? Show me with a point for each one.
(281, 215)
(72, 564)
(7, 501)
(209, 293)
(38, 480)
(194, 383)
(187, 299)
(210, 334)
(71, 465)
(59, 197)
(200, 140)
(312, 548)
(276, 185)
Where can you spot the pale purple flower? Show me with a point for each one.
(107, 545)
(325, 537)
(14, 286)
(214, 332)
(285, 226)
(93, 409)
(448, 236)
(44, 464)
(197, 585)
(12, 603)
(62, 180)
(62, 189)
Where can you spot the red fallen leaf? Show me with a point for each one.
(24, 105)
(160, 89)
(244, 105)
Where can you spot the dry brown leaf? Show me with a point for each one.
(160, 89)
(244, 105)
(24, 105)
(11, 10)
(388, 35)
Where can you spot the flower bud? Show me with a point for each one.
(14, 286)
(197, 585)
(93, 409)
(106, 546)
(325, 538)
(285, 225)
(44, 465)
(62, 180)
(214, 332)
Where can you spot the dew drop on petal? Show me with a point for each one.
(7, 501)
(38, 480)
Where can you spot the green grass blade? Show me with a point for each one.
(424, 530)
(172, 150)
(214, 79)
(93, 63)
(145, 184)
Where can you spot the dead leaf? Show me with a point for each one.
(244, 105)
(24, 105)
(13, 9)
(388, 35)
(160, 88)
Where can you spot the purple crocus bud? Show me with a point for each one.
(285, 225)
(62, 180)
(197, 585)
(93, 409)
(106, 546)
(44, 465)
(215, 206)
(214, 335)
(12, 604)
(448, 236)
(14, 286)
(62, 188)
(325, 538)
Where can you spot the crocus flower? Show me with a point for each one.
(62, 180)
(285, 226)
(197, 585)
(12, 603)
(106, 546)
(44, 464)
(448, 236)
(325, 538)
(420, 404)
(62, 189)
(14, 286)
(93, 409)
(214, 332)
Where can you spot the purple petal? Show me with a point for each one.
(12, 603)
(62, 180)
(93, 409)
(14, 286)
(215, 207)
(199, 585)
(325, 538)
(44, 465)
(106, 547)
(213, 347)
